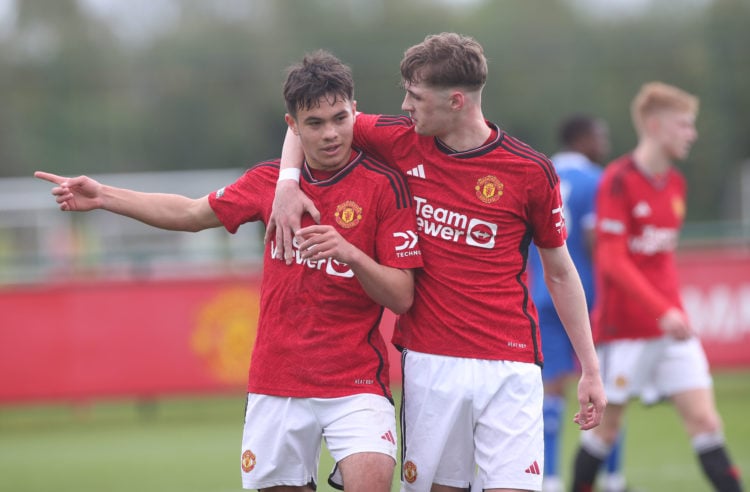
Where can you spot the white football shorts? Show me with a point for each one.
(652, 368)
(464, 420)
(281, 440)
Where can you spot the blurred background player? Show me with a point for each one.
(643, 334)
(584, 141)
(325, 308)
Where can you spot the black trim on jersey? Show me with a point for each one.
(268, 163)
(393, 120)
(375, 331)
(395, 178)
(340, 174)
(485, 148)
(524, 250)
(515, 146)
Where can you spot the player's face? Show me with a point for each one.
(325, 131)
(429, 108)
(676, 133)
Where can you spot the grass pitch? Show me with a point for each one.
(193, 444)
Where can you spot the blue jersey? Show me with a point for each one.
(579, 179)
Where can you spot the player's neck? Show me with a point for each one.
(651, 159)
(320, 171)
(469, 133)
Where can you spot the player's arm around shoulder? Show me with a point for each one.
(289, 203)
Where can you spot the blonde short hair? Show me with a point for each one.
(655, 97)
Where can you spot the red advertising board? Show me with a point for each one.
(153, 337)
(140, 338)
(716, 294)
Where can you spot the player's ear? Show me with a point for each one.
(354, 109)
(292, 123)
(456, 100)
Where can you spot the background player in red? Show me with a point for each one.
(644, 338)
(472, 395)
(319, 367)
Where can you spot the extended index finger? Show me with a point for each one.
(52, 178)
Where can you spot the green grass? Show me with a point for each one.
(192, 445)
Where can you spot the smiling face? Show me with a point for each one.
(325, 130)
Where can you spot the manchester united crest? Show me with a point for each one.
(248, 461)
(348, 214)
(489, 189)
(410, 471)
(621, 381)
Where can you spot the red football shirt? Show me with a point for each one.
(638, 222)
(318, 330)
(477, 212)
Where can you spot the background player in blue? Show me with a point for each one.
(585, 143)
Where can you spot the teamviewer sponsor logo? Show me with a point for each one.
(453, 226)
(329, 265)
(481, 234)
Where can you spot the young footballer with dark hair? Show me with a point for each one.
(319, 367)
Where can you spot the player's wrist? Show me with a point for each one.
(289, 174)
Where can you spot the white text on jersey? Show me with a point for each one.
(453, 226)
(331, 266)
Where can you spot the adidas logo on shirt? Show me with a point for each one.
(417, 172)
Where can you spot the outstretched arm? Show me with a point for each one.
(165, 211)
(390, 287)
(289, 203)
(565, 288)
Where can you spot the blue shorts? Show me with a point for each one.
(559, 357)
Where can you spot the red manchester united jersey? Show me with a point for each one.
(477, 212)
(318, 330)
(638, 223)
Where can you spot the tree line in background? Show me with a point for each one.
(202, 89)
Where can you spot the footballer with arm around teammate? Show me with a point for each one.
(472, 394)
(326, 307)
